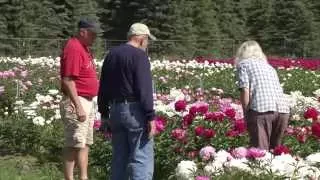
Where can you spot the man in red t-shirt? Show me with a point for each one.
(79, 85)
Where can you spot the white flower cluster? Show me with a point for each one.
(43, 106)
(282, 165)
(299, 103)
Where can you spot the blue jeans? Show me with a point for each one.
(132, 150)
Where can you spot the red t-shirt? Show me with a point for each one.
(76, 61)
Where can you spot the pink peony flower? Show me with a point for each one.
(24, 74)
(160, 124)
(240, 152)
(281, 149)
(28, 83)
(207, 153)
(232, 133)
(178, 134)
(97, 124)
(180, 105)
(199, 131)
(209, 133)
(202, 178)
(315, 128)
(187, 120)
(240, 126)
(199, 107)
(255, 153)
(231, 113)
(311, 113)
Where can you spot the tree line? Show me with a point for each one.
(196, 27)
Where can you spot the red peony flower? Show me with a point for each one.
(193, 110)
(281, 149)
(180, 105)
(315, 128)
(209, 133)
(178, 134)
(187, 120)
(199, 131)
(240, 126)
(311, 113)
(232, 133)
(302, 138)
(230, 112)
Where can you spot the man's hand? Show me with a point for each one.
(151, 128)
(81, 114)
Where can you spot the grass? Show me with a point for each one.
(27, 168)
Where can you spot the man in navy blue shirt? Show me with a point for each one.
(125, 99)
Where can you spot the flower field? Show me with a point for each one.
(201, 131)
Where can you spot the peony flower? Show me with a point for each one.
(230, 112)
(232, 133)
(185, 170)
(281, 149)
(178, 134)
(160, 124)
(202, 178)
(255, 153)
(97, 124)
(311, 113)
(180, 105)
(207, 153)
(199, 131)
(209, 133)
(24, 74)
(240, 126)
(315, 128)
(239, 153)
(187, 120)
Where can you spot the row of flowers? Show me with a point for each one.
(258, 162)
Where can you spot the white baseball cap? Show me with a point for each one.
(140, 29)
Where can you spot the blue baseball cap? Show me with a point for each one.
(91, 25)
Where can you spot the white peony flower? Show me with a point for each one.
(186, 170)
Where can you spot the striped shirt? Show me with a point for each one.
(266, 93)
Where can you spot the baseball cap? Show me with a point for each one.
(90, 25)
(140, 29)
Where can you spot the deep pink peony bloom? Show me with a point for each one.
(199, 131)
(240, 126)
(311, 113)
(199, 107)
(316, 129)
(230, 112)
(232, 133)
(240, 152)
(281, 149)
(193, 110)
(202, 178)
(187, 120)
(160, 124)
(178, 134)
(97, 124)
(180, 105)
(255, 153)
(209, 133)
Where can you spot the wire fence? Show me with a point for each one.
(170, 49)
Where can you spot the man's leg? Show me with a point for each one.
(82, 162)
(120, 155)
(141, 165)
(69, 156)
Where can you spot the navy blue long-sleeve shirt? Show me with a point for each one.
(126, 73)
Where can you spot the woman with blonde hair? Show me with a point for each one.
(262, 98)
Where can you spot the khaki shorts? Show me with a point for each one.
(77, 134)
